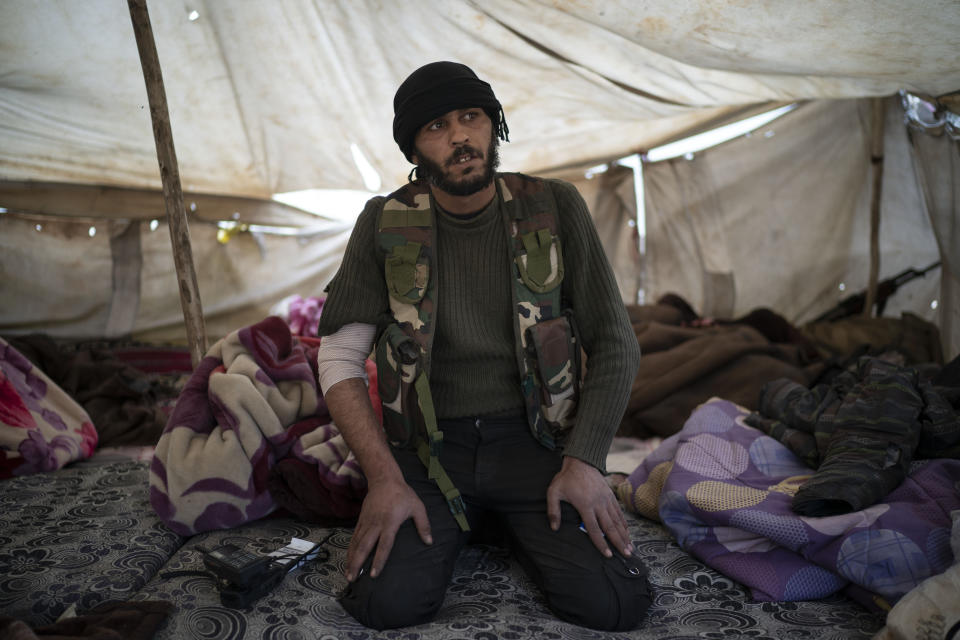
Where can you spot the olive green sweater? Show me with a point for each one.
(474, 367)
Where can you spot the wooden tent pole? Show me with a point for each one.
(879, 106)
(170, 177)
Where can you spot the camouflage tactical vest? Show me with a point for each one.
(547, 349)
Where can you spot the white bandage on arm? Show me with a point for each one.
(342, 354)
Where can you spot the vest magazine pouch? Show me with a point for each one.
(553, 354)
(398, 365)
(541, 262)
(406, 272)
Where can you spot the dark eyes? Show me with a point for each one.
(469, 116)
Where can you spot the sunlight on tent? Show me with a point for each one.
(712, 138)
(337, 204)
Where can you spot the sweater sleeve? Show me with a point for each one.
(613, 354)
(342, 354)
(357, 292)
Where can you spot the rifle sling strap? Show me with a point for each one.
(429, 453)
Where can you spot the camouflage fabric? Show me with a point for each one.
(549, 367)
(553, 361)
(397, 357)
(405, 237)
(939, 422)
(860, 432)
(801, 418)
(402, 351)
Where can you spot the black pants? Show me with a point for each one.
(503, 474)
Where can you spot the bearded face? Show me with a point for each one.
(444, 174)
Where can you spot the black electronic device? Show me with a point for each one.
(234, 565)
(243, 577)
(237, 597)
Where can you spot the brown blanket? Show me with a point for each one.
(683, 367)
(687, 359)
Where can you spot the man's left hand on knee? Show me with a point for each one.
(583, 486)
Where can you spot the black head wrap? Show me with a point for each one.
(433, 90)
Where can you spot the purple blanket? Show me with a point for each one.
(724, 489)
(251, 407)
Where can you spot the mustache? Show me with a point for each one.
(465, 150)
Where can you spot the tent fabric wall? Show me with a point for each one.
(907, 236)
(72, 292)
(611, 198)
(615, 213)
(937, 162)
(781, 218)
(744, 208)
(101, 202)
(121, 281)
(68, 288)
(740, 226)
(268, 97)
(239, 281)
(795, 43)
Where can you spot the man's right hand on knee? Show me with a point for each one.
(389, 503)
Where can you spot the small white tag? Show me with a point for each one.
(297, 550)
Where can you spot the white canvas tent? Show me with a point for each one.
(275, 97)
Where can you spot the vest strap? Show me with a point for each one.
(450, 492)
(429, 453)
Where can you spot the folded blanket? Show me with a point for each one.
(724, 489)
(41, 427)
(859, 432)
(252, 402)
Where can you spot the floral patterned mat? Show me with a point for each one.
(86, 534)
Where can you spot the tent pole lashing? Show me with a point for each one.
(170, 177)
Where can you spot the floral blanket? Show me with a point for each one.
(41, 427)
(251, 433)
(724, 490)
